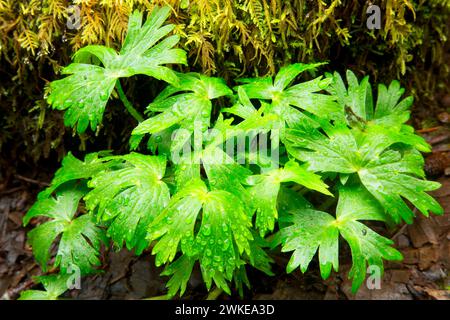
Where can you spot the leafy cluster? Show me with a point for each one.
(190, 200)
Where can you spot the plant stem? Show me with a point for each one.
(127, 103)
(164, 297)
(213, 295)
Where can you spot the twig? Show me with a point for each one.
(5, 192)
(213, 295)
(399, 232)
(438, 139)
(127, 103)
(426, 130)
(41, 183)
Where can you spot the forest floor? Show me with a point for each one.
(423, 274)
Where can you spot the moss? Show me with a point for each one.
(225, 38)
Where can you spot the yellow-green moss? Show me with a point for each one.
(231, 39)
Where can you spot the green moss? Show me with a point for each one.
(225, 38)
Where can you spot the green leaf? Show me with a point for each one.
(80, 245)
(73, 169)
(304, 96)
(225, 174)
(243, 107)
(54, 285)
(85, 92)
(389, 114)
(388, 173)
(130, 198)
(391, 178)
(187, 104)
(180, 270)
(259, 258)
(313, 231)
(217, 242)
(291, 200)
(265, 187)
(388, 101)
(81, 238)
(358, 96)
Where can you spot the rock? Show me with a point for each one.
(401, 276)
(436, 163)
(435, 273)
(444, 117)
(427, 256)
(388, 291)
(446, 101)
(119, 289)
(403, 242)
(410, 256)
(145, 281)
(422, 232)
(291, 290)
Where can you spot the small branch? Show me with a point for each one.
(127, 103)
(41, 183)
(13, 293)
(6, 192)
(213, 295)
(426, 130)
(164, 297)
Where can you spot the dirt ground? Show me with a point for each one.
(422, 275)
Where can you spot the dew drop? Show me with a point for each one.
(176, 110)
(67, 103)
(226, 245)
(206, 261)
(104, 96)
(169, 220)
(205, 114)
(207, 230)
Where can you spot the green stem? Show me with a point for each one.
(213, 295)
(127, 103)
(164, 297)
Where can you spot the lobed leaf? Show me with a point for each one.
(80, 239)
(313, 231)
(129, 198)
(86, 90)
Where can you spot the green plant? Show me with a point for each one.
(193, 199)
(223, 38)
